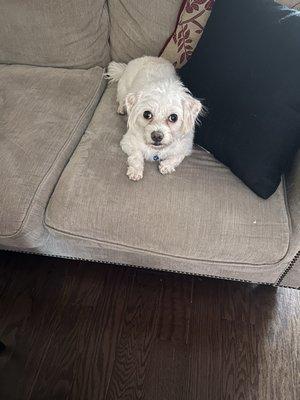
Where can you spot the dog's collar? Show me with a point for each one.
(155, 157)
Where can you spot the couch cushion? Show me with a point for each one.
(240, 78)
(140, 27)
(57, 33)
(201, 212)
(43, 113)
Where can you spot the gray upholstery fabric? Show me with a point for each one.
(43, 113)
(200, 217)
(292, 278)
(57, 33)
(140, 27)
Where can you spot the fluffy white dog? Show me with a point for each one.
(161, 113)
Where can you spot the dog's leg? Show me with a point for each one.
(135, 166)
(168, 165)
(122, 91)
(135, 158)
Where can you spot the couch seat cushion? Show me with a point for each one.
(43, 113)
(201, 212)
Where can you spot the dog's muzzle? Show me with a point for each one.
(157, 137)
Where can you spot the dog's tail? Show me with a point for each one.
(115, 71)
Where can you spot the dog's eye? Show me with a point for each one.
(173, 118)
(147, 115)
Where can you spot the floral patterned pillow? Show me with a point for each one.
(290, 3)
(191, 22)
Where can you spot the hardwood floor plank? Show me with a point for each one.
(94, 368)
(83, 344)
(135, 345)
(77, 330)
(279, 346)
(167, 371)
(166, 374)
(27, 315)
(175, 309)
(205, 352)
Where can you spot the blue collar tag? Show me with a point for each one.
(155, 158)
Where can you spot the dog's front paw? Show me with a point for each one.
(166, 168)
(134, 174)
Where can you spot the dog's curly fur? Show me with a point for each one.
(151, 93)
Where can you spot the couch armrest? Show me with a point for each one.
(292, 278)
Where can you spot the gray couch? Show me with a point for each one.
(63, 185)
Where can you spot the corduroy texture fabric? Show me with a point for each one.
(55, 33)
(292, 278)
(140, 27)
(202, 213)
(43, 114)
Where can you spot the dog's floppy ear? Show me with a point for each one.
(130, 100)
(191, 109)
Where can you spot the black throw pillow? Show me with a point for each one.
(246, 67)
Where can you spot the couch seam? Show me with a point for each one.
(72, 235)
(140, 267)
(289, 266)
(49, 171)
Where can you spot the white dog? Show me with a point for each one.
(161, 113)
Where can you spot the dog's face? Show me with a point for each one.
(159, 118)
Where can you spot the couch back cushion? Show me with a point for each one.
(140, 27)
(59, 33)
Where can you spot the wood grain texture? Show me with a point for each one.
(82, 331)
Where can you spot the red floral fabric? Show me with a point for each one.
(192, 19)
(290, 3)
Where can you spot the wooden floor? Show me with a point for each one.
(79, 330)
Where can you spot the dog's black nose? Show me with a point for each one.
(157, 136)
